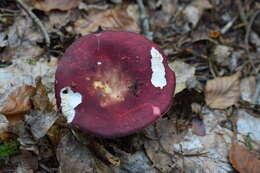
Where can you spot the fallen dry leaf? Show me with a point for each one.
(41, 100)
(3, 124)
(243, 160)
(221, 54)
(223, 92)
(115, 19)
(18, 101)
(248, 88)
(248, 124)
(194, 11)
(48, 5)
(40, 122)
(183, 72)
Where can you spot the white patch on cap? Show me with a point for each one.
(156, 110)
(69, 101)
(158, 76)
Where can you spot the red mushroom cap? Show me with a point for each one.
(113, 83)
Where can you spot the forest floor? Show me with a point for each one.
(213, 125)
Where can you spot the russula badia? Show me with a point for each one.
(113, 83)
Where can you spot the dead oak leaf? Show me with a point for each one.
(115, 19)
(223, 92)
(18, 101)
(243, 160)
(48, 5)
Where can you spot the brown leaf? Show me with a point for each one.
(223, 92)
(41, 100)
(243, 160)
(48, 5)
(18, 102)
(116, 19)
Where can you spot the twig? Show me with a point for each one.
(9, 10)
(36, 20)
(241, 12)
(228, 26)
(145, 20)
(248, 29)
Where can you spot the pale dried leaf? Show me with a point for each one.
(3, 123)
(243, 160)
(221, 54)
(248, 88)
(48, 5)
(115, 19)
(23, 73)
(223, 92)
(58, 19)
(194, 11)
(18, 101)
(248, 124)
(22, 40)
(40, 123)
(183, 72)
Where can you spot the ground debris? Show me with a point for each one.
(40, 122)
(75, 157)
(214, 114)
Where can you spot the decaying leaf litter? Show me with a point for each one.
(214, 121)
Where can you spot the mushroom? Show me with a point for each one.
(113, 83)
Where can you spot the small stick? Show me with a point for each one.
(241, 12)
(228, 26)
(36, 20)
